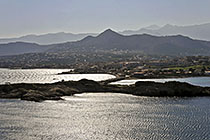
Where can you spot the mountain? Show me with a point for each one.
(148, 44)
(51, 38)
(141, 31)
(109, 41)
(201, 32)
(17, 48)
(152, 27)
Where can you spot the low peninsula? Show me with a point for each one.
(54, 91)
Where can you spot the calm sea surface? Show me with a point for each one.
(101, 116)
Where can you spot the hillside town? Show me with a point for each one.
(118, 63)
(147, 67)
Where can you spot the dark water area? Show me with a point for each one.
(106, 116)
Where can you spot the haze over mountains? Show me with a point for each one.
(45, 39)
(110, 40)
(201, 32)
(148, 44)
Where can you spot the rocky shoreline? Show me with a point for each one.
(41, 92)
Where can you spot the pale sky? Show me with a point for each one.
(21, 17)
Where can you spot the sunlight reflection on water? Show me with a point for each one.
(45, 76)
(106, 116)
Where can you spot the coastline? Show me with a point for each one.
(129, 77)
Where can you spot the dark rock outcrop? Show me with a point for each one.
(169, 89)
(41, 92)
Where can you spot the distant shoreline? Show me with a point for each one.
(117, 78)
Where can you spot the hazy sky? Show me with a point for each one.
(20, 17)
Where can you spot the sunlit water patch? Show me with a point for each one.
(45, 76)
(103, 116)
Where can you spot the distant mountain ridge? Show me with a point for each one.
(200, 32)
(46, 39)
(110, 40)
(148, 44)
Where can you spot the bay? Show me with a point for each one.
(45, 76)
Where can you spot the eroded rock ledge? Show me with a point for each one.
(41, 92)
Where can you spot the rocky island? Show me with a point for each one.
(54, 91)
